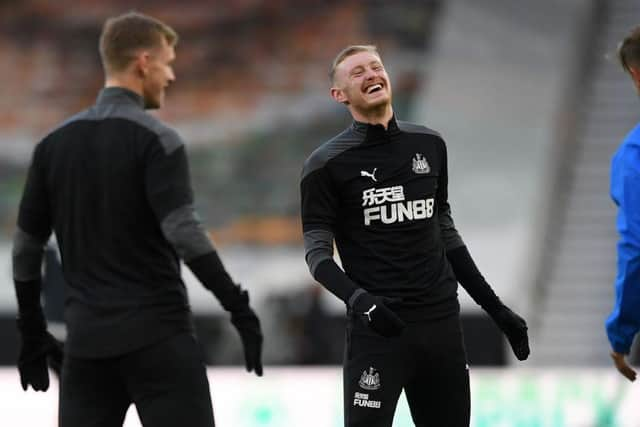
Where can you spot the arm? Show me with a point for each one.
(457, 253)
(168, 188)
(468, 275)
(319, 206)
(624, 322)
(318, 210)
(34, 228)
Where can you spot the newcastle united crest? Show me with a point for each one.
(370, 380)
(420, 164)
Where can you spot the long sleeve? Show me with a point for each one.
(462, 263)
(34, 228)
(319, 207)
(624, 321)
(448, 232)
(168, 188)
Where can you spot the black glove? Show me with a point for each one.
(377, 315)
(32, 363)
(209, 270)
(248, 326)
(515, 328)
(38, 346)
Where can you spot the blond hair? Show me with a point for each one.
(347, 52)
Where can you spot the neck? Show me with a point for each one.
(377, 116)
(126, 81)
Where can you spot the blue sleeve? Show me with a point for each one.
(624, 321)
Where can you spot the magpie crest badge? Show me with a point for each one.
(420, 164)
(370, 380)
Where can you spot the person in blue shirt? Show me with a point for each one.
(624, 322)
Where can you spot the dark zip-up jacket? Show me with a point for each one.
(382, 195)
(113, 183)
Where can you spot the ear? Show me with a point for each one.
(339, 96)
(635, 73)
(142, 63)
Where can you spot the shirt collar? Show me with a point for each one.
(119, 95)
(373, 132)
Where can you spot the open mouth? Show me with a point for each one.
(373, 88)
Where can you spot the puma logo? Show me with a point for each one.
(371, 175)
(368, 312)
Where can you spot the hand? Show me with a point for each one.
(622, 366)
(515, 328)
(377, 315)
(32, 362)
(248, 326)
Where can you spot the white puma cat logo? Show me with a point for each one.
(371, 175)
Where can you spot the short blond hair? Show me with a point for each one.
(629, 50)
(125, 34)
(347, 52)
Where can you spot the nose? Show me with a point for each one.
(369, 74)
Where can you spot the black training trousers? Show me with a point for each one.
(428, 361)
(166, 381)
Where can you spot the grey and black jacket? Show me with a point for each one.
(381, 195)
(113, 183)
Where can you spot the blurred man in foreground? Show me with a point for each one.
(380, 189)
(624, 322)
(113, 183)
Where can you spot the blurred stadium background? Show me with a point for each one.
(529, 99)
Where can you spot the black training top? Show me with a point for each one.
(382, 194)
(113, 183)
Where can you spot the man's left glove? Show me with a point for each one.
(36, 353)
(247, 323)
(515, 328)
(209, 270)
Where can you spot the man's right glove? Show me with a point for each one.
(376, 314)
(515, 328)
(248, 325)
(37, 349)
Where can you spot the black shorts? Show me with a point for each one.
(166, 381)
(428, 361)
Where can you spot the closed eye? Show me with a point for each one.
(357, 71)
